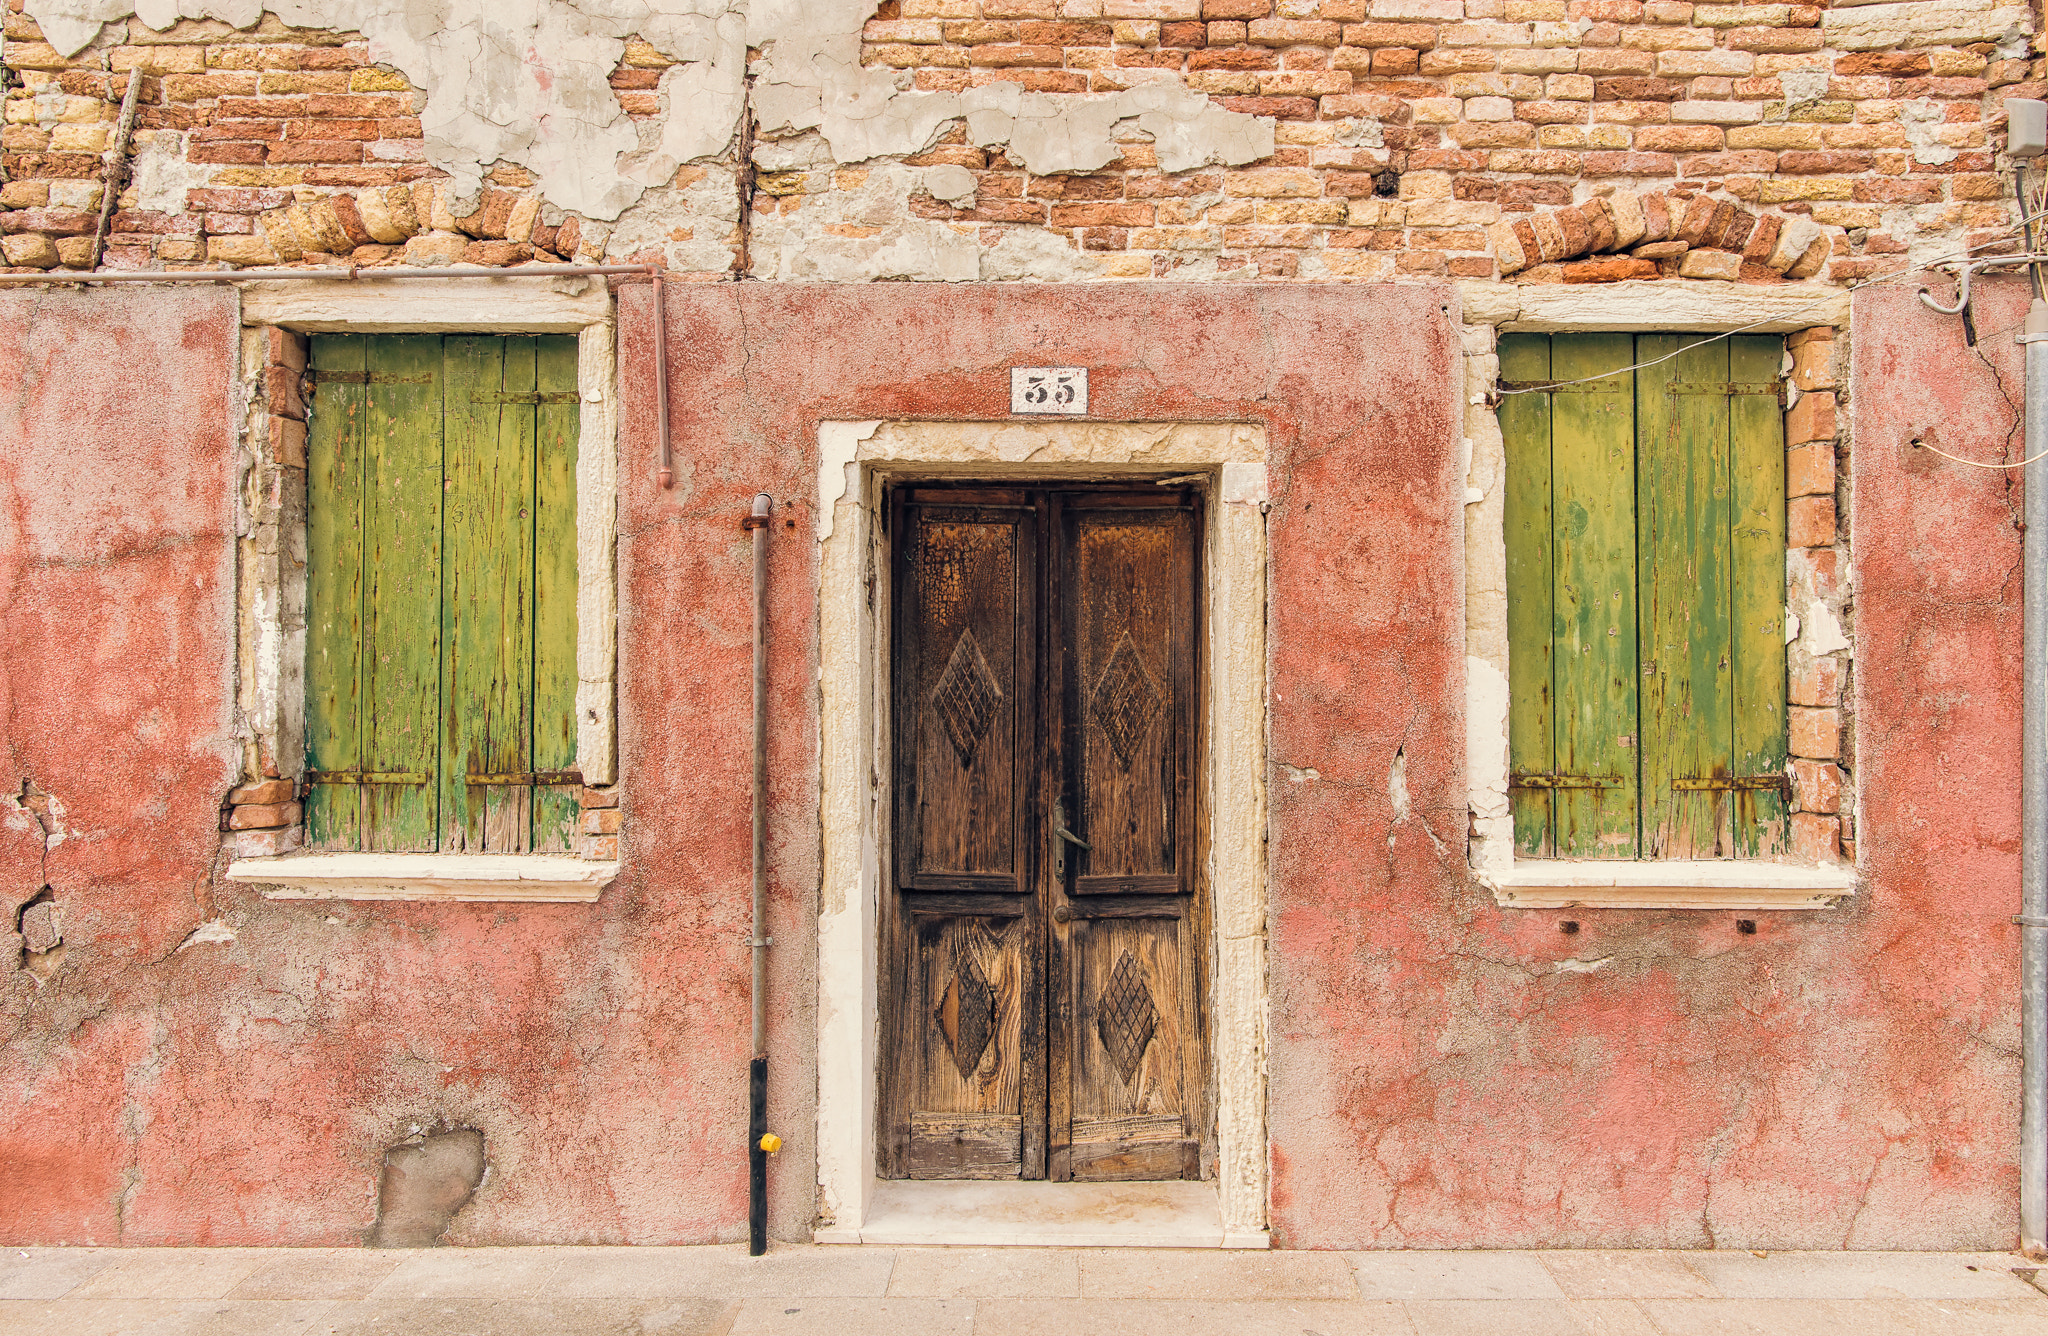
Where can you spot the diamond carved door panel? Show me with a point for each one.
(1042, 961)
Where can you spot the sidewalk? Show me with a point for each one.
(1013, 1291)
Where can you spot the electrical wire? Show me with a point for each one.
(1978, 463)
(1782, 317)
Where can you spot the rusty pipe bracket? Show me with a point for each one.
(757, 518)
(2030, 920)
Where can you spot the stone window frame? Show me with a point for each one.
(263, 817)
(1819, 868)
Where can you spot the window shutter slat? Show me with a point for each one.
(486, 607)
(1757, 463)
(1593, 681)
(334, 590)
(556, 809)
(1687, 581)
(402, 589)
(1525, 433)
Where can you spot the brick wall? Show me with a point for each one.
(1413, 136)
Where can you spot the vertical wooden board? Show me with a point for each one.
(487, 600)
(557, 427)
(1128, 1097)
(1525, 435)
(334, 589)
(1593, 613)
(1757, 559)
(972, 988)
(402, 575)
(958, 715)
(1683, 553)
(1129, 611)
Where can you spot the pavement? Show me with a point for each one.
(870, 1291)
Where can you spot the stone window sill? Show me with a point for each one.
(540, 878)
(1677, 884)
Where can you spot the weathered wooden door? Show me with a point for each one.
(1042, 944)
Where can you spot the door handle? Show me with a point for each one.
(1062, 837)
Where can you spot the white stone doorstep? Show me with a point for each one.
(540, 878)
(1678, 884)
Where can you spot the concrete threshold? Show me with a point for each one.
(955, 1212)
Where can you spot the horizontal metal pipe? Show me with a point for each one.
(353, 274)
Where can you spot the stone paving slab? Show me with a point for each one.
(867, 1291)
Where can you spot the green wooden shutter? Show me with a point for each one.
(442, 593)
(1645, 546)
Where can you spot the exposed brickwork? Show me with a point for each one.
(1415, 137)
(1819, 724)
(601, 824)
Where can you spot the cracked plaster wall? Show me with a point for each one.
(526, 84)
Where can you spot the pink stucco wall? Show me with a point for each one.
(1842, 1078)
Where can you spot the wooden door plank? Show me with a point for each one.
(403, 591)
(1757, 561)
(1685, 574)
(334, 589)
(557, 427)
(1593, 614)
(488, 572)
(1525, 435)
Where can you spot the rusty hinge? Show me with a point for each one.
(541, 777)
(524, 397)
(1566, 782)
(1726, 783)
(363, 777)
(1723, 388)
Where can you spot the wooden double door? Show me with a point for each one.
(1044, 934)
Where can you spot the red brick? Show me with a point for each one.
(497, 252)
(1280, 108)
(1814, 733)
(1816, 682)
(1236, 9)
(53, 222)
(263, 792)
(1810, 469)
(229, 154)
(1630, 164)
(237, 129)
(288, 442)
(1810, 521)
(1816, 839)
(1010, 56)
(1608, 269)
(281, 392)
(266, 816)
(331, 127)
(357, 106)
(277, 107)
(1234, 58)
(1811, 419)
(1184, 36)
(1064, 34)
(600, 798)
(602, 820)
(1817, 785)
(1102, 214)
(314, 150)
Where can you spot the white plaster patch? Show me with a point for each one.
(1823, 630)
(1803, 86)
(213, 932)
(529, 84)
(161, 174)
(1583, 966)
(1922, 119)
(838, 446)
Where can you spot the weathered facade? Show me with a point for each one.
(1304, 251)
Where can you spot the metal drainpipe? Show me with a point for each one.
(2033, 918)
(356, 274)
(759, 1142)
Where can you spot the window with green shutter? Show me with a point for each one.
(1645, 518)
(441, 593)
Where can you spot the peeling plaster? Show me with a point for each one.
(528, 84)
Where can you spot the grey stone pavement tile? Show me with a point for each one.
(524, 1317)
(159, 1317)
(50, 1273)
(857, 1317)
(470, 1273)
(1847, 1317)
(1454, 1275)
(986, 1273)
(1155, 1317)
(725, 1271)
(1625, 1275)
(1529, 1317)
(318, 1273)
(1871, 1275)
(173, 1273)
(1135, 1273)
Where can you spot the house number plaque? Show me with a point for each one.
(1048, 389)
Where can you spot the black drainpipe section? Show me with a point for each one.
(759, 1141)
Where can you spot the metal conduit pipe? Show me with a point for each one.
(358, 274)
(759, 1142)
(2033, 918)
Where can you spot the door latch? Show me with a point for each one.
(1062, 837)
